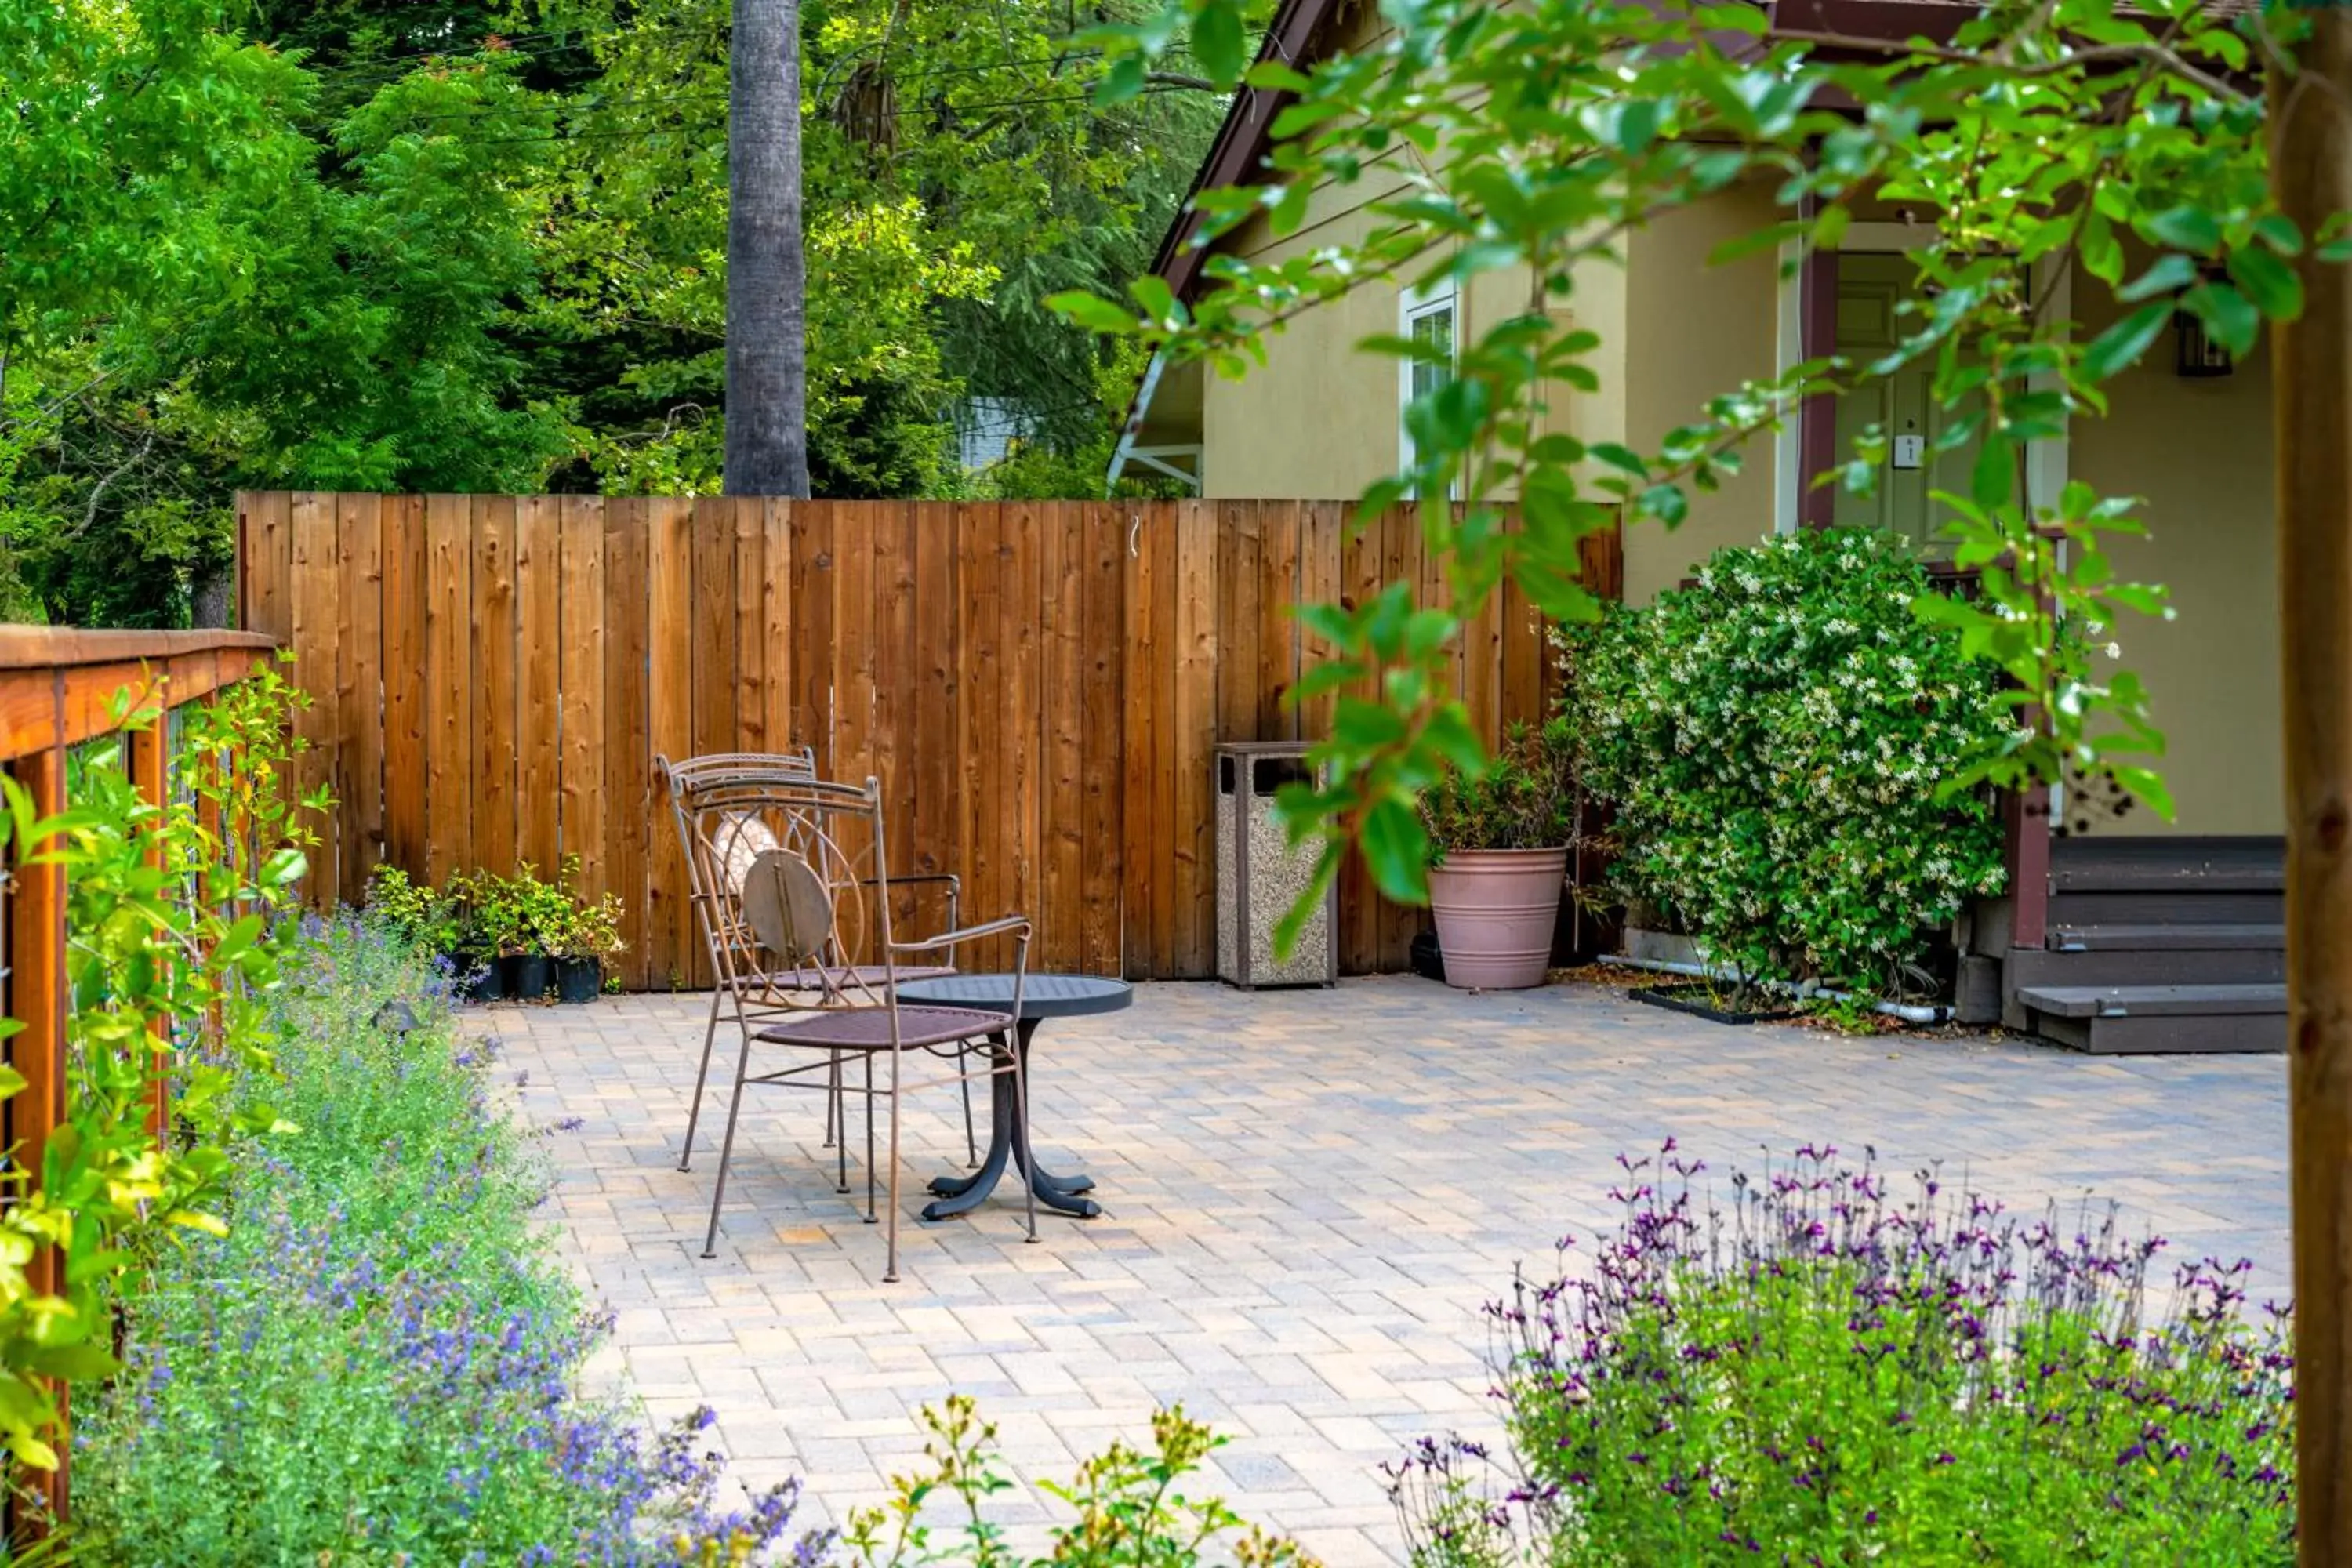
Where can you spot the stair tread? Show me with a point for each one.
(2123, 935)
(2152, 1001)
(2167, 866)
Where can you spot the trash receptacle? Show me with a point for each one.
(1260, 876)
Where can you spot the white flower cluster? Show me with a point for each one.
(1778, 741)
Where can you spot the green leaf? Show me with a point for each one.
(2271, 284)
(2186, 228)
(1094, 312)
(2122, 344)
(2169, 275)
(1619, 457)
(1665, 502)
(1396, 851)
(1219, 42)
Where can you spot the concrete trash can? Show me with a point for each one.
(1259, 876)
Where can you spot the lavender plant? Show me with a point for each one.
(1817, 1372)
(378, 1362)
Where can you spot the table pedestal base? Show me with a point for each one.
(961, 1195)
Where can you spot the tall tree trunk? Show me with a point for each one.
(2311, 171)
(767, 322)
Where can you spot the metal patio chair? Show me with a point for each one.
(793, 901)
(723, 831)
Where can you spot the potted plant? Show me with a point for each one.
(588, 934)
(479, 921)
(538, 917)
(1499, 843)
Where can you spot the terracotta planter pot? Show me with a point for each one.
(1495, 910)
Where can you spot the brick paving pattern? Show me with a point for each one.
(1309, 1195)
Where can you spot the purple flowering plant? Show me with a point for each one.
(1817, 1371)
(380, 1360)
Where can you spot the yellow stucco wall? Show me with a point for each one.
(2200, 451)
(1691, 332)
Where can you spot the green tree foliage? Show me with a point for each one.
(2126, 143)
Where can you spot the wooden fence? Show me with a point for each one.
(1039, 686)
(58, 688)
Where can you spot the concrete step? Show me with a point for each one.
(2130, 1019)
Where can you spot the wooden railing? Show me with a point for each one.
(57, 689)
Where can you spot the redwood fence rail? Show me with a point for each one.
(57, 689)
(1039, 686)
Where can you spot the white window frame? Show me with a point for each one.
(1412, 305)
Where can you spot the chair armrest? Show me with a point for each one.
(955, 883)
(1009, 924)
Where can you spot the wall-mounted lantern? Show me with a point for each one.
(2196, 354)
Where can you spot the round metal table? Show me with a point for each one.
(1043, 996)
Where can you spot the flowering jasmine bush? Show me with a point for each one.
(377, 1364)
(1822, 1374)
(1777, 741)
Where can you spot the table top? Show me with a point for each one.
(1042, 996)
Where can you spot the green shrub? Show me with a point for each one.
(1776, 742)
(1822, 1375)
(377, 1365)
(1524, 799)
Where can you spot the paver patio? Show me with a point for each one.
(1309, 1195)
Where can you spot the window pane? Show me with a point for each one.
(1434, 329)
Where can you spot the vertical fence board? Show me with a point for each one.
(936, 764)
(1278, 633)
(1139, 542)
(1195, 950)
(669, 925)
(449, 686)
(750, 545)
(896, 743)
(538, 701)
(1062, 674)
(1039, 686)
(494, 765)
(581, 677)
(404, 545)
(1241, 679)
(266, 563)
(813, 615)
(776, 623)
(1102, 558)
(359, 723)
(637, 816)
(316, 589)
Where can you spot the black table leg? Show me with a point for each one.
(961, 1195)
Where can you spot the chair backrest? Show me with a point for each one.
(743, 822)
(788, 907)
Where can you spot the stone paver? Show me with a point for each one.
(1309, 1195)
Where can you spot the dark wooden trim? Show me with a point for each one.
(2025, 818)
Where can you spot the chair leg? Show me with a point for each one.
(890, 1264)
(1021, 1120)
(726, 1149)
(701, 1076)
(832, 1098)
(840, 1114)
(870, 1215)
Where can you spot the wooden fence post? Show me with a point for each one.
(36, 998)
(2311, 173)
(147, 753)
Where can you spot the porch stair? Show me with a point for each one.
(2159, 945)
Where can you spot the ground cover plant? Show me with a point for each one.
(377, 1362)
(1819, 1373)
(1784, 747)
